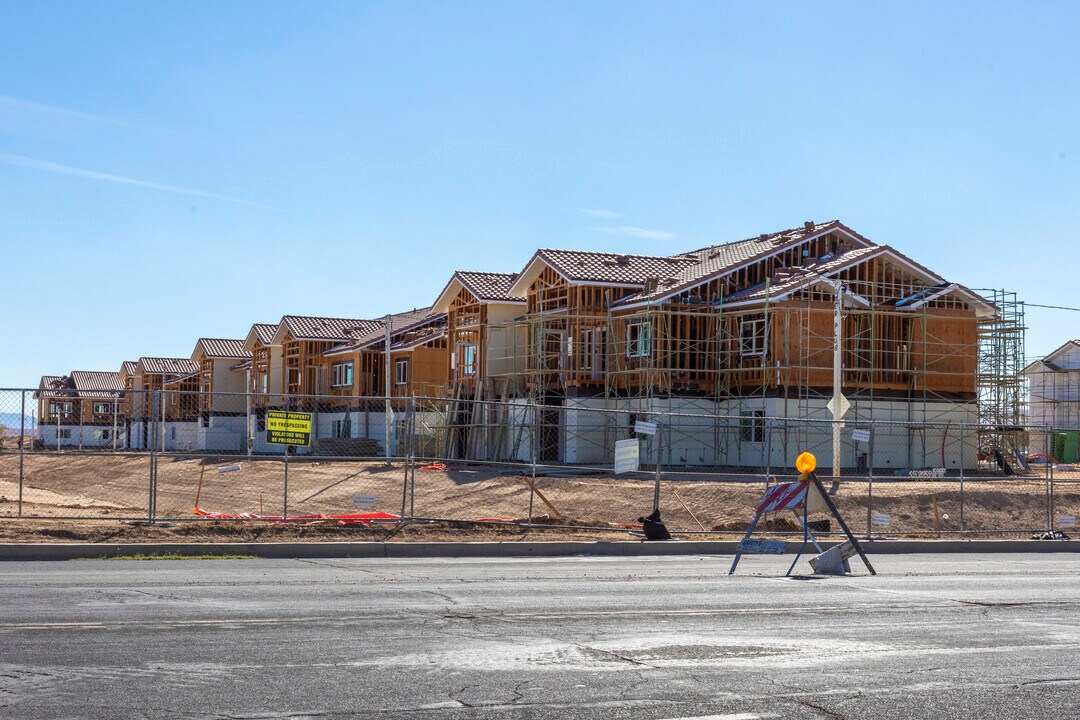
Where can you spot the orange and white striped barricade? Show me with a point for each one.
(808, 496)
(795, 497)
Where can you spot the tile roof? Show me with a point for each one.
(92, 383)
(303, 327)
(488, 285)
(223, 348)
(621, 269)
(168, 366)
(129, 367)
(703, 263)
(54, 386)
(265, 332)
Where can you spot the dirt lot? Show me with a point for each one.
(116, 488)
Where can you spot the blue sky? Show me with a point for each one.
(181, 170)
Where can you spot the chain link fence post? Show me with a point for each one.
(153, 458)
(1049, 472)
(285, 484)
(768, 448)
(410, 434)
(533, 446)
(22, 443)
(412, 469)
(658, 438)
(963, 456)
(870, 481)
(1053, 489)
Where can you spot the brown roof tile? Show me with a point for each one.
(92, 383)
(54, 386)
(168, 366)
(621, 269)
(265, 332)
(489, 285)
(303, 327)
(223, 348)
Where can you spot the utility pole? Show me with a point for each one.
(839, 402)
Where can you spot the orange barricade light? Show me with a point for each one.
(806, 463)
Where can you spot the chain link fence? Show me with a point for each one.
(157, 455)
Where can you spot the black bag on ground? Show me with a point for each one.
(654, 529)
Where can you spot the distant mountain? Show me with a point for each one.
(10, 421)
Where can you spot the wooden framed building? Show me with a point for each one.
(163, 396)
(745, 329)
(419, 360)
(223, 397)
(220, 371)
(83, 410)
(303, 340)
(486, 348)
(755, 318)
(263, 369)
(127, 379)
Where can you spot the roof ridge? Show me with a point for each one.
(324, 317)
(606, 252)
(818, 227)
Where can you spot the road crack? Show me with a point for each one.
(1049, 681)
(823, 710)
(617, 656)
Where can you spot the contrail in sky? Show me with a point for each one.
(46, 166)
(21, 104)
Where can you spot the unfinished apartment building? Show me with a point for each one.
(334, 367)
(80, 411)
(161, 403)
(745, 330)
(222, 393)
(1053, 408)
(480, 313)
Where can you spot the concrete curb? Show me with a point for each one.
(72, 551)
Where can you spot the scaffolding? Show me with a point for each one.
(1000, 379)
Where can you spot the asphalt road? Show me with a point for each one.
(980, 636)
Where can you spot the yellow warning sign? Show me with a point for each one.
(288, 428)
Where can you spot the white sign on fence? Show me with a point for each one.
(758, 545)
(626, 456)
(363, 500)
(644, 428)
(860, 435)
(1067, 521)
(927, 473)
(881, 519)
